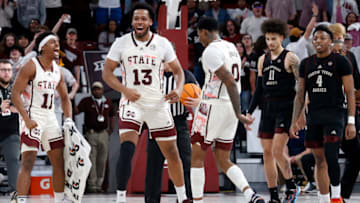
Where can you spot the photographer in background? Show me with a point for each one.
(9, 126)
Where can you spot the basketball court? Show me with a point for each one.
(209, 198)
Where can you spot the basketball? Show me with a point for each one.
(189, 91)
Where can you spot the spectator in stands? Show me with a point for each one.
(348, 41)
(307, 13)
(71, 83)
(99, 123)
(7, 42)
(338, 31)
(108, 10)
(251, 25)
(240, 13)
(217, 12)
(30, 9)
(107, 37)
(16, 54)
(23, 41)
(281, 9)
(342, 8)
(231, 31)
(301, 47)
(6, 13)
(9, 128)
(54, 10)
(194, 13)
(73, 55)
(245, 77)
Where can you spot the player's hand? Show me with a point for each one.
(294, 131)
(5, 105)
(246, 120)
(173, 96)
(193, 102)
(68, 123)
(131, 94)
(350, 132)
(30, 124)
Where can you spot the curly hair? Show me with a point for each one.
(274, 26)
(144, 6)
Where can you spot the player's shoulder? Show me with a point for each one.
(124, 38)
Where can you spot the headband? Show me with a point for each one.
(45, 40)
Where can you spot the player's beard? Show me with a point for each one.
(143, 34)
(4, 82)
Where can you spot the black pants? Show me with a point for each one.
(155, 162)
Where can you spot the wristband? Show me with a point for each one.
(68, 119)
(351, 120)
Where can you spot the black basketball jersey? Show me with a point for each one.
(277, 82)
(323, 81)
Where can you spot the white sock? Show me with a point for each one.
(21, 199)
(181, 193)
(59, 197)
(120, 196)
(237, 177)
(197, 179)
(335, 191)
(248, 193)
(324, 198)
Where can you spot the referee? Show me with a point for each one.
(155, 159)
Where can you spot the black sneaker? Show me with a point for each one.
(291, 195)
(255, 198)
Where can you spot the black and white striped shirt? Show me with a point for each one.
(177, 109)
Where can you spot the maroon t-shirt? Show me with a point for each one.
(92, 110)
(73, 57)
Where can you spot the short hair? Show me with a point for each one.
(17, 47)
(40, 38)
(5, 61)
(324, 28)
(208, 23)
(144, 6)
(338, 29)
(274, 26)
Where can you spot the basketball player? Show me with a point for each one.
(277, 73)
(220, 99)
(39, 120)
(141, 54)
(325, 77)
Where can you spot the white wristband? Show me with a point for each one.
(351, 120)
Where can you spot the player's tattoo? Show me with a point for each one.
(294, 65)
(299, 100)
(228, 79)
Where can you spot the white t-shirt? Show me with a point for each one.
(141, 64)
(299, 48)
(53, 3)
(109, 3)
(237, 12)
(252, 26)
(219, 53)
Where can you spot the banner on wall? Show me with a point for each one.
(94, 65)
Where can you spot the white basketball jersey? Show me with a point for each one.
(42, 88)
(225, 53)
(141, 64)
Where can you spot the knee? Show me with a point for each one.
(321, 163)
(268, 152)
(277, 153)
(172, 154)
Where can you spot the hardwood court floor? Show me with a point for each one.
(209, 198)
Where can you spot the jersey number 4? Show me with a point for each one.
(147, 79)
(45, 104)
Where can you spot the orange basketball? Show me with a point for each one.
(189, 91)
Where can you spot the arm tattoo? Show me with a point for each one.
(299, 100)
(227, 78)
(295, 66)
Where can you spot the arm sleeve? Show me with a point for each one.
(213, 58)
(257, 95)
(115, 51)
(42, 12)
(169, 51)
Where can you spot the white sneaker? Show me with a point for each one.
(309, 188)
(120, 196)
